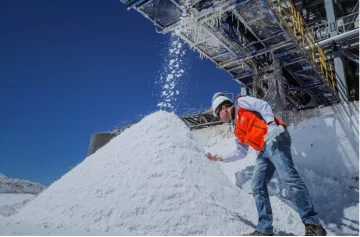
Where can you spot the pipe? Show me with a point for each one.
(220, 55)
(337, 38)
(350, 56)
(340, 6)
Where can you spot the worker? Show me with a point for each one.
(257, 127)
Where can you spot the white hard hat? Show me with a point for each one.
(218, 98)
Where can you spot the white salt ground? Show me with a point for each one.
(10, 203)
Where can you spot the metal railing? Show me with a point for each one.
(193, 111)
(344, 24)
(206, 109)
(321, 31)
(303, 37)
(347, 23)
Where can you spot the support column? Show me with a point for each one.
(255, 85)
(342, 87)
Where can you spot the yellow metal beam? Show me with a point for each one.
(297, 27)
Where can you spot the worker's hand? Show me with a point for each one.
(214, 158)
(274, 130)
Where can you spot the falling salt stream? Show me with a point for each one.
(171, 74)
(191, 27)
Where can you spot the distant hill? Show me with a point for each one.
(10, 185)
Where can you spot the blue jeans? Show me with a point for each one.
(278, 156)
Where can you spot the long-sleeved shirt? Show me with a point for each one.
(240, 152)
(253, 104)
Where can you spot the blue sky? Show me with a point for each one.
(71, 68)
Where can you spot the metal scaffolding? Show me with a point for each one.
(248, 38)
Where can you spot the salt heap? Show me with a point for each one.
(153, 179)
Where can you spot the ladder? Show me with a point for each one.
(285, 12)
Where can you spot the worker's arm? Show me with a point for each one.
(260, 106)
(240, 153)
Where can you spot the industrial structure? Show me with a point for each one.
(303, 52)
(100, 139)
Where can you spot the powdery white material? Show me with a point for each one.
(171, 75)
(15, 193)
(220, 140)
(330, 142)
(10, 203)
(153, 179)
(10, 227)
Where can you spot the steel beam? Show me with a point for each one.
(222, 54)
(351, 56)
(356, 8)
(304, 87)
(236, 68)
(184, 37)
(330, 15)
(224, 44)
(308, 77)
(135, 3)
(264, 40)
(338, 61)
(247, 57)
(300, 83)
(244, 76)
(237, 81)
(302, 59)
(247, 26)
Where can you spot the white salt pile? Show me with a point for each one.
(153, 179)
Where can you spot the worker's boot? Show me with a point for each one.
(258, 233)
(317, 230)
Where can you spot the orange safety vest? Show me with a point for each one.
(251, 128)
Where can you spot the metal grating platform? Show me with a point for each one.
(200, 118)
